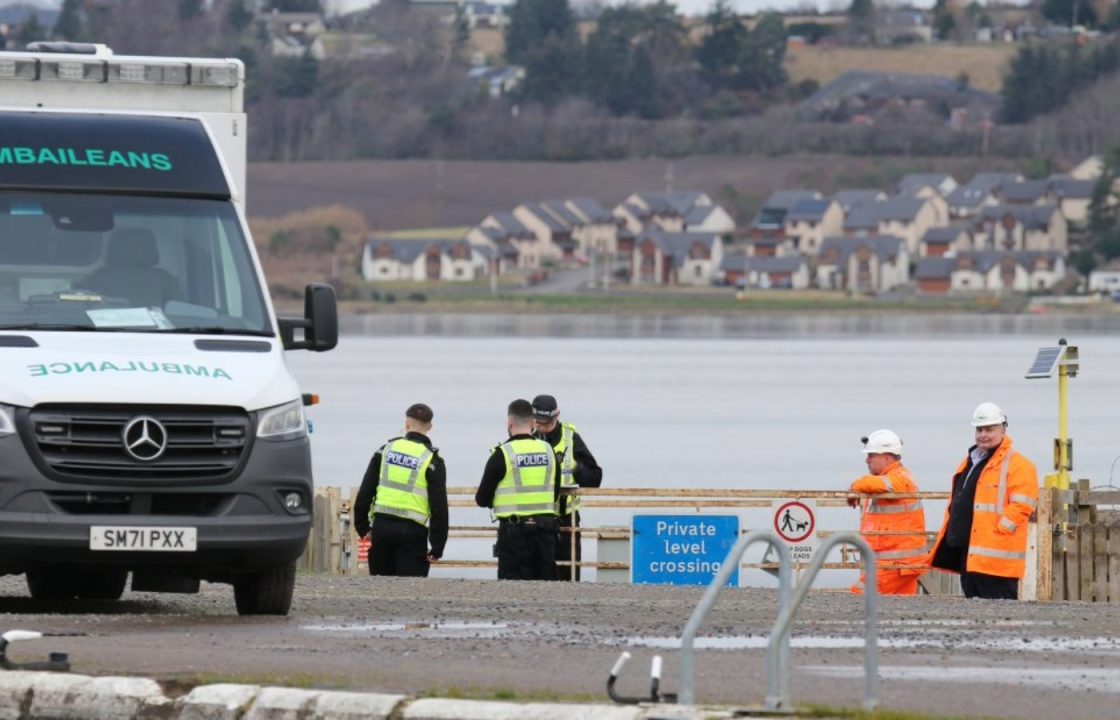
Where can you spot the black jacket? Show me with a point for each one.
(437, 496)
(587, 473)
(495, 471)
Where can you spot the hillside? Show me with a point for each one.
(984, 64)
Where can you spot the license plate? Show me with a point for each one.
(160, 539)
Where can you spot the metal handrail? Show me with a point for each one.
(777, 687)
(779, 635)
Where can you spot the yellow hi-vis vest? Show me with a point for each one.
(528, 486)
(567, 466)
(402, 489)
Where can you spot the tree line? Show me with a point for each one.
(640, 61)
(1043, 76)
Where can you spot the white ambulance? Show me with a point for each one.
(148, 421)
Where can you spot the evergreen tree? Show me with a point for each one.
(240, 17)
(1070, 12)
(541, 36)
(765, 52)
(722, 48)
(944, 24)
(643, 84)
(861, 18)
(296, 77)
(70, 24)
(532, 22)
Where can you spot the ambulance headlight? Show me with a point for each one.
(7, 420)
(283, 422)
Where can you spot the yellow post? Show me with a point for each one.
(1062, 459)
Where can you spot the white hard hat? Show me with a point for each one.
(882, 441)
(987, 414)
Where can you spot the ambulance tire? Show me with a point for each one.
(104, 584)
(54, 583)
(266, 592)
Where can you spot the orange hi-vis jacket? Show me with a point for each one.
(902, 515)
(1006, 495)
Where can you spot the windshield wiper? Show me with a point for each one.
(216, 330)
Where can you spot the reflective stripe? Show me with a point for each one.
(1007, 525)
(523, 508)
(412, 476)
(887, 483)
(1023, 499)
(893, 554)
(985, 507)
(1001, 554)
(877, 508)
(409, 487)
(1003, 481)
(401, 512)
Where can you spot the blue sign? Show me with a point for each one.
(681, 549)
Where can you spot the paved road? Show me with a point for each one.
(557, 640)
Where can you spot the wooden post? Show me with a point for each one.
(320, 532)
(1114, 564)
(1044, 550)
(1100, 563)
(334, 532)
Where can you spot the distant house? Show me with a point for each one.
(292, 34)
(1106, 279)
(863, 264)
(933, 275)
(996, 271)
(1027, 192)
(515, 244)
(847, 199)
(902, 25)
(596, 230)
(863, 94)
(789, 273)
(769, 246)
(809, 222)
(498, 81)
(662, 258)
(485, 15)
(554, 232)
(908, 218)
(940, 241)
(981, 191)
(1021, 227)
(388, 259)
(770, 222)
(925, 184)
(1091, 168)
(1073, 196)
(681, 211)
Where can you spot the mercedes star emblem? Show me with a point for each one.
(144, 438)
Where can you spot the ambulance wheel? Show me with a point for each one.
(54, 583)
(265, 592)
(104, 584)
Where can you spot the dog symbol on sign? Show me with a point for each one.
(794, 522)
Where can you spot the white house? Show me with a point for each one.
(996, 271)
(809, 222)
(1105, 279)
(661, 258)
(766, 273)
(908, 218)
(389, 259)
(1038, 228)
(863, 264)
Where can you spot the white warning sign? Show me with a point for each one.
(795, 522)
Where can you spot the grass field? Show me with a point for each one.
(984, 64)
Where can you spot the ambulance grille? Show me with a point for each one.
(86, 443)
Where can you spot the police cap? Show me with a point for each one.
(545, 408)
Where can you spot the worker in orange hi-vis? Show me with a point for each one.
(883, 452)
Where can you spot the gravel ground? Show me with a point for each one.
(471, 638)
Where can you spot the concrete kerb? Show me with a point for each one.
(61, 696)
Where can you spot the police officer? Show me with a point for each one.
(404, 496)
(577, 467)
(520, 483)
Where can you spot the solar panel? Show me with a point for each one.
(1045, 362)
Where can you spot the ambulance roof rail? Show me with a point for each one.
(71, 48)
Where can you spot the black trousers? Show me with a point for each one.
(398, 547)
(989, 587)
(527, 548)
(564, 547)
